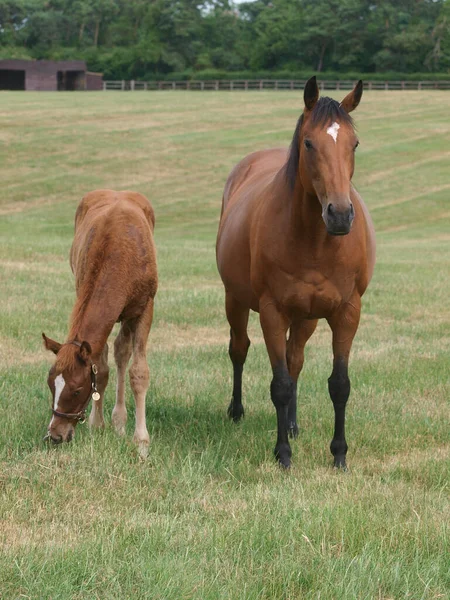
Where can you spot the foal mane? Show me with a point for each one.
(66, 359)
(325, 111)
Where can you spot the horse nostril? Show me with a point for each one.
(352, 210)
(330, 210)
(69, 436)
(57, 439)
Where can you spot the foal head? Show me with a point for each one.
(72, 382)
(322, 154)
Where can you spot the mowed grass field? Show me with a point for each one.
(209, 515)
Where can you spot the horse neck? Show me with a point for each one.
(305, 218)
(91, 321)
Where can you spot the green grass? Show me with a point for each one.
(209, 515)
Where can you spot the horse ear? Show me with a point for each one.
(311, 93)
(351, 101)
(85, 351)
(51, 344)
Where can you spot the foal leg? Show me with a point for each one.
(343, 325)
(275, 326)
(299, 334)
(140, 376)
(237, 316)
(96, 416)
(122, 353)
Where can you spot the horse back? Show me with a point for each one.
(113, 246)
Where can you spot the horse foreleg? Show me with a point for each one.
(282, 388)
(344, 325)
(299, 334)
(140, 376)
(237, 316)
(96, 417)
(122, 353)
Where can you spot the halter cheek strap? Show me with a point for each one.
(80, 416)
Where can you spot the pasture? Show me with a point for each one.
(210, 515)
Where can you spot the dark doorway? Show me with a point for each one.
(12, 80)
(70, 81)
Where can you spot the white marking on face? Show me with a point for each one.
(333, 131)
(59, 386)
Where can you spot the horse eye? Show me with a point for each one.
(77, 393)
(308, 144)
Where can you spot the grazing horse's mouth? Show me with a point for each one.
(49, 438)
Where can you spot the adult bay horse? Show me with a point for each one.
(296, 244)
(113, 259)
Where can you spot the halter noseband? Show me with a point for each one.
(80, 416)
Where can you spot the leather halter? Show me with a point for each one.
(80, 416)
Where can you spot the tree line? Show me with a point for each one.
(148, 39)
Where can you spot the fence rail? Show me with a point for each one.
(270, 84)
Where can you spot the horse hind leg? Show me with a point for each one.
(122, 354)
(237, 316)
(299, 334)
(140, 376)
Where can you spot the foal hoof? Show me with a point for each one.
(293, 430)
(283, 455)
(339, 463)
(235, 413)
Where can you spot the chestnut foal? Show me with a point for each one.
(113, 259)
(296, 244)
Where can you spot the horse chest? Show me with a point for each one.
(311, 296)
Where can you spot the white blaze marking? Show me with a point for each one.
(59, 386)
(333, 131)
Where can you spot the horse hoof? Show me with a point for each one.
(293, 430)
(235, 413)
(339, 463)
(142, 448)
(283, 455)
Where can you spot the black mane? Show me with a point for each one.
(325, 111)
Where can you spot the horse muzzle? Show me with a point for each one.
(338, 221)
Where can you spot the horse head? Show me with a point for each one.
(72, 382)
(326, 152)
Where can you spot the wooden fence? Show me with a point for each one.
(270, 84)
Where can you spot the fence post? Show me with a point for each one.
(338, 85)
(159, 85)
(104, 86)
(370, 86)
(202, 85)
(132, 85)
(386, 85)
(260, 84)
(217, 86)
(123, 84)
(245, 85)
(145, 86)
(173, 85)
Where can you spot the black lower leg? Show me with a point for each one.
(339, 388)
(281, 391)
(292, 414)
(236, 410)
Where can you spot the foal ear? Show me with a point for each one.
(85, 351)
(351, 101)
(311, 93)
(51, 344)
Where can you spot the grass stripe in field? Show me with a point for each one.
(209, 516)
